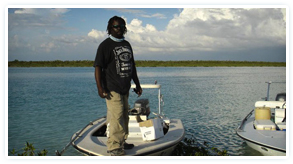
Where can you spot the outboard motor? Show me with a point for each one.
(141, 107)
(281, 97)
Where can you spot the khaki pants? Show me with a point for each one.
(117, 116)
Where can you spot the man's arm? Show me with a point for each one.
(98, 77)
(135, 79)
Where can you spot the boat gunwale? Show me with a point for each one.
(240, 130)
(258, 143)
(87, 152)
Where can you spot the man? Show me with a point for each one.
(114, 70)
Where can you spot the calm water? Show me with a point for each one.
(47, 105)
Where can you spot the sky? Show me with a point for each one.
(237, 34)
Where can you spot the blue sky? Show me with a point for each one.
(192, 33)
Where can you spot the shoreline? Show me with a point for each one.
(149, 63)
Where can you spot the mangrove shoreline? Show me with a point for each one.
(149, 63)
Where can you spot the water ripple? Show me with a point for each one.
(46, 106)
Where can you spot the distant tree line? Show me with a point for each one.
(210, 63)
(149, 63)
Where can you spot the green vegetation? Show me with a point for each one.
(187, 147)
(55, 63)
(201, 63)
(28, 150)
(149, 63)
(190, 147)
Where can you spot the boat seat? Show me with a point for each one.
(134, 129)
(264, 125)
(280, 114)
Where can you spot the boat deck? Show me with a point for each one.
(272, 139)
(96, 145)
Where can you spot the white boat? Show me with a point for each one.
(92, 139)
(264, 128)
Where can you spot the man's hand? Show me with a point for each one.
(102, 93)
(138, 90)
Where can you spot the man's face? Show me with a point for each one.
(118, 28)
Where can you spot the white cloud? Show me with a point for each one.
(150, 28)
(42, 11)
(212, 30)
(45, 18)
(123, 10)
(194, 29)
(156, 15)
(97, 34)
(209, 30)
(47, 47)
(228, 28)
(140, 13)
(25, 11)
(29, 30)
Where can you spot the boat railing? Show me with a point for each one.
(77, 135)
(147, 86)
(245, 119)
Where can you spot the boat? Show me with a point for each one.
(159, 139)
(264, 128)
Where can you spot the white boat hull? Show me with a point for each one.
(92, 140)
(267, 142)
(265, 150)
(90, 144)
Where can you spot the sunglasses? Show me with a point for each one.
(117, 26)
